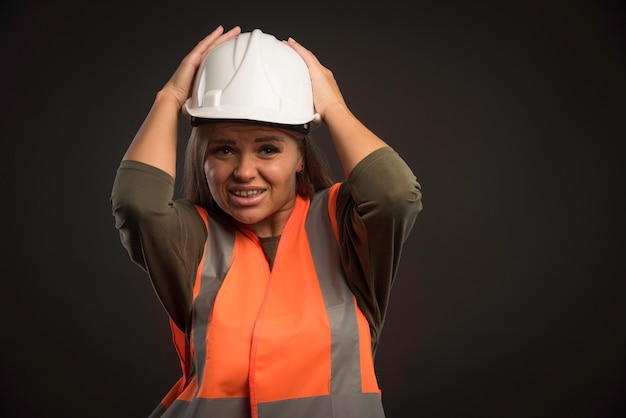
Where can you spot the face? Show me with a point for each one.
(251, 173)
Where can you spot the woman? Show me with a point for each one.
(275, 279)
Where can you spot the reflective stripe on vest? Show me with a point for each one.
(276, 344)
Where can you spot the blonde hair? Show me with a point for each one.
(314, 176)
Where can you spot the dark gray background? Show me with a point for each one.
(509, 300)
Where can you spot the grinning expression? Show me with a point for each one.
(251, 173)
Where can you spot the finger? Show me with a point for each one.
(204, 44)
(214, 39)
(307, 55)
(232, 33)
(201, 50)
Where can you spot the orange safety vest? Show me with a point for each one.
(285, 343)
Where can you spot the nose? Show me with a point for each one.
(246, 168)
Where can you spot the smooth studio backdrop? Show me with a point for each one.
(509, 301)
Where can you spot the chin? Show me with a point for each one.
(247, 220)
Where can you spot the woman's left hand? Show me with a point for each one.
(326, 92)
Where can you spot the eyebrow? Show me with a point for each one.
(228, 141)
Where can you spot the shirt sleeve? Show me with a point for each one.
(163, 236)
(376, 210)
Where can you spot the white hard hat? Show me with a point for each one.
(253, 77)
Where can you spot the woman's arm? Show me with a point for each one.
(377, 204)
(353, 141)
(155, 142)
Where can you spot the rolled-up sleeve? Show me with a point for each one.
(164, 237)
(376, 211)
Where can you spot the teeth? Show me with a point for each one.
(246, 193)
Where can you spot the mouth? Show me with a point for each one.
(246, 198)
(247, 193)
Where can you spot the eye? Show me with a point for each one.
(221, 152)
(268, 150)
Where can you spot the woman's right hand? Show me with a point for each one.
(179, 85)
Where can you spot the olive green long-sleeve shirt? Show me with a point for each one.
(376, 209)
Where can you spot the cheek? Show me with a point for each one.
(212, 177)
(284, 167)
(281, 172)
